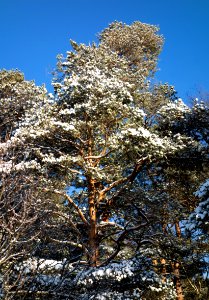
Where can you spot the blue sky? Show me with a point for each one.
(33, 32)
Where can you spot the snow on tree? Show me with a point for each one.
(21, 204)
(93, 149)
(199, 218)
(96, 131)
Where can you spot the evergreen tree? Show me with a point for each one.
(24, 208)
(109, 155)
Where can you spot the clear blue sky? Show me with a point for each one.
(33, 32)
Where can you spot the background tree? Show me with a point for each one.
(22, 206)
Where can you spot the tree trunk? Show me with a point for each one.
(163, 269)
(177, 282)
(162, 260)
(178, 229)
(176, 268)
(93, 247)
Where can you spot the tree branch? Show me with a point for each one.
(119, 241)
(70, 200)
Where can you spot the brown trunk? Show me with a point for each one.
(178, 229)
(92, 242)
(177, 282)
(163, 270)
(93, 247)
(176, 269)
(155, 264)
(93, 235)
(162, 260)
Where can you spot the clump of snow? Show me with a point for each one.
(42, 265)
(199, 218)
(134, 272)
(204, 188)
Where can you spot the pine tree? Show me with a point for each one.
(105, 152)
(98, 135)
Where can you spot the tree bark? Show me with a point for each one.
(176, 269)
(163, 269)
(92, 241)
(177, 281)
(178, 229)
(93, 247)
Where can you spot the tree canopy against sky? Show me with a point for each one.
(113, 161)
(32, 46)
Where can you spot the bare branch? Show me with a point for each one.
(70, 200)
(119, 242)
(66, 243)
